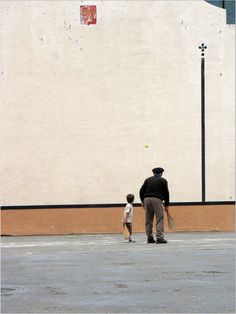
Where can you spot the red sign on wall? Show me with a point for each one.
(88, 14)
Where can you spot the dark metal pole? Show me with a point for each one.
(203, 129)
(203, 140)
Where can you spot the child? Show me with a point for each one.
(128, 216)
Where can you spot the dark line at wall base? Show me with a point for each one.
(111, 205)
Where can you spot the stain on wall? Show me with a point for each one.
(88, 14)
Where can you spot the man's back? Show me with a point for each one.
(155, 186)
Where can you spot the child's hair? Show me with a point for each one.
(130, 198)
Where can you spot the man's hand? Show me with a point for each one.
(142, 205)
(167, 209)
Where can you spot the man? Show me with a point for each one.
(152, 194)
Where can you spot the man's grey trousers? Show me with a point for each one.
(154, 206)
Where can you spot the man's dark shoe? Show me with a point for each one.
(150, 240)
(161, 241)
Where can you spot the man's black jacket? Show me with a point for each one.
(155, 186)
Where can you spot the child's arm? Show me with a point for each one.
(124, 219)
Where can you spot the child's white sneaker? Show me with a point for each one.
(126, 241)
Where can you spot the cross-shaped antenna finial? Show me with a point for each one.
(202, 47)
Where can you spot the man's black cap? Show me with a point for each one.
(158, 170)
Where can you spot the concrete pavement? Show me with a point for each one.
(193, 273)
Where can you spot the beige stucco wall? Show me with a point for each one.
(79, 103)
